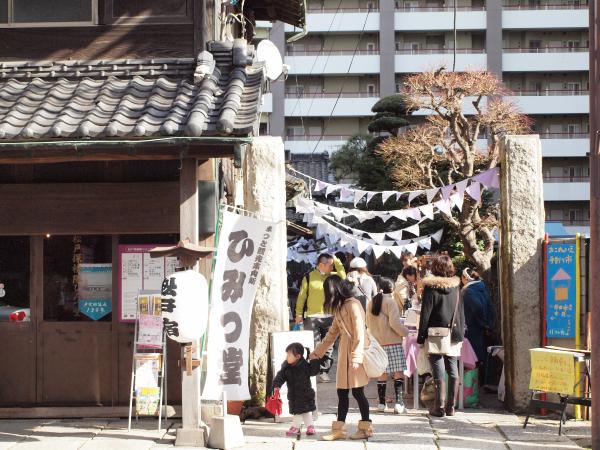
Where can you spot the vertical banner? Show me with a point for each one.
(561, 290)
(95, 290)
(242, 248)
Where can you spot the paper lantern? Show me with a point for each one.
(184, 298)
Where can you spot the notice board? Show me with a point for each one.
(553, 371)
(139, 272)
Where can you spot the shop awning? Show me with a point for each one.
(216, 95)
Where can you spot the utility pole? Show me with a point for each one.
(594, 275)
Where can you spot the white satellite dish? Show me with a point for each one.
(268, 53)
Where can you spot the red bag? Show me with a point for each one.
(274, 403)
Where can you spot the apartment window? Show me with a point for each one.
(573, 88)
(571, 45)
(536, 87)
(535, 44)
(371, 48)
(294, 131)
(371, 89)
(573, 129)
(37, 13)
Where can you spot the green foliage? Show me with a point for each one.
(392, 104)
(387, 123)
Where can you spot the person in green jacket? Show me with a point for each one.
(313, 296)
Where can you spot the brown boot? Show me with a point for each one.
(440, 399)
(453, 386)
(338, 431)
(365, 430)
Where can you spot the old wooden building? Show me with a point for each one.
(114, 115)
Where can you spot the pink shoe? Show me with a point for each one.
(293, 431)
(310, 431)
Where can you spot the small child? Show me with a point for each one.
(296, 372)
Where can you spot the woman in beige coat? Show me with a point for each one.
(385, 325)
(349, 325)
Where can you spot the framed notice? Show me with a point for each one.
(138, 272)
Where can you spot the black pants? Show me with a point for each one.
(344, 403)
(320, 326)
(443, 363)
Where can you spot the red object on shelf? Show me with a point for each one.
(274, 403)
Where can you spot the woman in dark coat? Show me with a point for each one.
(479, 313)
(296, 372)
(440, 296)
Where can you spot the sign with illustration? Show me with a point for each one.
(562, 268)
(95, 290)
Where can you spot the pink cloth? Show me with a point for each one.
(411, 352)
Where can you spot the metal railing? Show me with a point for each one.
(546, 50)
(409, 8)
(316, 137)
(566, 179)
(331, 52)
(549, 92)
(563, 135)
(310, 95)
(549, 6)
(322, 10)
(435, 51)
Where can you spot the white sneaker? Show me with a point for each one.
(399, 408)
(324, 378)
(381, 407)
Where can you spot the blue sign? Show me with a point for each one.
(95, 309)
(561, 290)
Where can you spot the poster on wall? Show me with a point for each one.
(240, 257)
(562, 268)
(94, 290)
(138, 271)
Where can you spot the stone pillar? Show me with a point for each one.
(264, 193)
(521, 271)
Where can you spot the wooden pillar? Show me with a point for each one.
(191, 433)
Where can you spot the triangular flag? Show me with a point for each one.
(378, 250)
(444, 206)
(414, 230)
(474, 191)
(385, 217)
(395, 234)
(437, 236)
(361, 246)
(320, 185)
(427, 211)
(412, 195)
(431, 193)
(399, 196)
(488, 178)
(399, 214)
(413, 213)
(425, 243)
(457, 199)
(331, 188)
(346, 195)
(462, 185)
(385, 195)
(396, 251)
(370, 195)
(358, 195)
(377, 237)
(446, 190)
(411, 248)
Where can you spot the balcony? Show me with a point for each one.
(425, 18)
(562, 145)
(315, 143)
(323, 104)
(267, 103)
(546, 101)
(419, 60)
(559, 59)
(525, 17)
(332, 62)
(566, 191)
(343, 20)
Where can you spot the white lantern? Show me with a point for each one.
(184, 298)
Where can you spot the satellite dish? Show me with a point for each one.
(268, 53)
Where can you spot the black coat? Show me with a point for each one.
(437, 307)
(301, 395)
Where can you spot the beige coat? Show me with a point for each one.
(350, 318)
(387, 327)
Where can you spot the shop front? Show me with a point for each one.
(140, 160)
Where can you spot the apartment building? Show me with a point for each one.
(358, 51)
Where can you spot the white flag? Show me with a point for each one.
(431, 193)
(427, 210)
(378, 250)
(370, 195)
(444, 206)
(385, 195)
(414, 230)
(474, 191)
(358, 195)
(413, 195)
(437, 236)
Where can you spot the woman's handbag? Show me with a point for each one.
(439, 339)
(375, 359)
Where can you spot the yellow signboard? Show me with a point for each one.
(552, 371)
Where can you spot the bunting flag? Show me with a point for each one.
(412, 195)
(431, 193)
(386, 195)
(474, 191)
(427, 211)
(358, 195)
(446, 190)
(370, 195)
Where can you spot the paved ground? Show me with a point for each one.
(473, 429)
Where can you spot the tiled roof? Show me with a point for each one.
(219, 93)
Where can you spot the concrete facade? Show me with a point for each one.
(521, 237)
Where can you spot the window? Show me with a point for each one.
(78, 278)
(371, 48)
(573, 88)
(14, 274)
(571, 45)
(148, 11)
(371, 89)
(27, 13)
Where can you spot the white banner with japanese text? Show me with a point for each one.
(243, 245)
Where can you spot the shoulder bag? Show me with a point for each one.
(439, 339)
(375, 359)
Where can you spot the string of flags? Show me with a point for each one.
(472, 186)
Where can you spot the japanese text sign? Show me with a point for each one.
(561, 290)
(95, 290)
(552, 371)
(240, 256)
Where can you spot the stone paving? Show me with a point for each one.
(473, 429)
